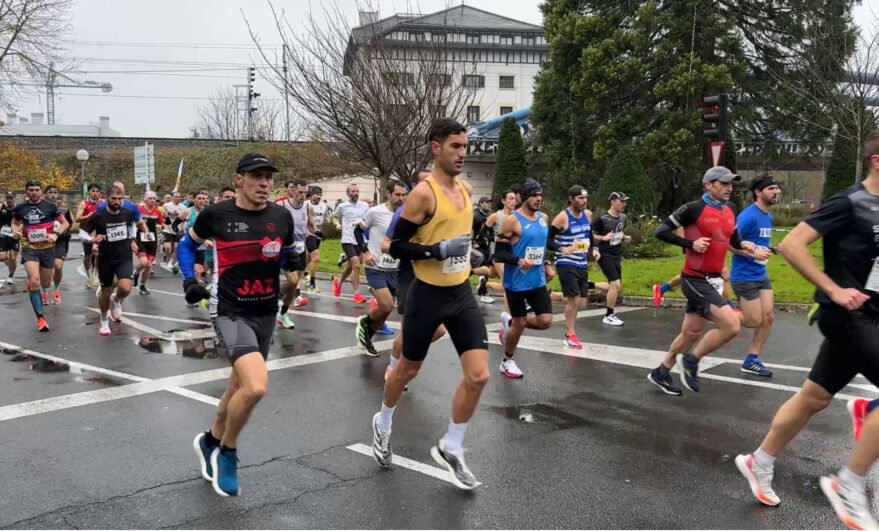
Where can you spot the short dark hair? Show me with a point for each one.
(416, 177)
(393, 183)
(94, 186)
(443, 128)
(51, 187)
(226, 189)
(506, 192)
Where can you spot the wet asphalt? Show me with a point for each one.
(579, 442)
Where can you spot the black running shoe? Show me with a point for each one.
(482, 289)
(664, 382)
(364, 335)
(144, 290)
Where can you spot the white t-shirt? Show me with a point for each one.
(351, 214)
(320, 214)
(377, 220)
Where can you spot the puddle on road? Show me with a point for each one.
(203, 349)
(542, 414)
(42, 365)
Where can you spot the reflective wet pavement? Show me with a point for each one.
(96, 432)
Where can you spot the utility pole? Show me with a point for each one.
(251, 95)
(286, 95)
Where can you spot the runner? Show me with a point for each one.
(110, 228)
(521, 246)
(8, 245)
(171, 236)
(509, 201)
(608, 230)
(313, 241)
(659, 290)
(187, 219)
(147, 240)
(483, 238)
(84, 211)
(249, 235)
(302, 218)
(709, 230)
(227, 193)
(438, 214)
(848, 294)
(62, 245)
(33, 223)
(750, 281)
(381, 268)
(571, 229)
(350, 213)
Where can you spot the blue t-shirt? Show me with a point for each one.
(753, 225)
(532, 244)
(125, 204)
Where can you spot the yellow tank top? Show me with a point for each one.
(446, 223)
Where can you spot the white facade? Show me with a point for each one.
(15, 125)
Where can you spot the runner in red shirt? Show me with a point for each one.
(709, 229)
(147, 240)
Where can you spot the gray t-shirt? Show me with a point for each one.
(351, 214)
(607, 223)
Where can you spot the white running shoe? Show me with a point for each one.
(759, 479)
(849, 503)
(612, 320)
(510, 369)
(115, 309)
(104, 330)
(486, 299)
(10, 281)
(506, 323)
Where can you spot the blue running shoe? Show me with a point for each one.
(689, 367)
(385, 329)
(203, 451)
(225, 479)
(753, 365)
(664, 382)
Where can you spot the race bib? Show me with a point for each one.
(37, 235)
(581, 246)
(299, 247)
(716, 283)
(117, 233)
(456, 264)
(386, 261)
(873, 279)
(535, 254)
(147, 237)
(617, 238)
(6, 230)
(764, 262)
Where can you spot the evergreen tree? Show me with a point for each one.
(511, 171)
(840, 172)
(626, 174)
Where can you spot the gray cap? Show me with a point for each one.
(618, 195)
(484, 199)
(720, 173)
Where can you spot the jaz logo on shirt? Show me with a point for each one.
(271, 249)
(257, 287)
(765, 232)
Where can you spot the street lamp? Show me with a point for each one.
(82, 156)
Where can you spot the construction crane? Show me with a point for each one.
(52, 83)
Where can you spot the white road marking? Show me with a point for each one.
(342, 318)
(76, 364)
(560, 317)
(163, 318)
(153, 290)
(142, 327)
(429, 470)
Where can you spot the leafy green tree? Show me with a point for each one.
(840, 172)
(626, 174)
(511, 170)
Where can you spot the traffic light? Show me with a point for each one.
(714, 115)
(251, 74)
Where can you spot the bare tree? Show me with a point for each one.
(30, 35)
(223, 117)
(359, 88)
(846, 95)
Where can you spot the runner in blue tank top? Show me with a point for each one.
(521, 245)
(571, 229)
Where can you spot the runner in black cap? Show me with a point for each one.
(608, 230)
(250, 234)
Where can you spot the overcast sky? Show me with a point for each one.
(165, 57)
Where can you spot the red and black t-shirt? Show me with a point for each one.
(247, 246)
(703, 220)
(151, 219)
(38, 222)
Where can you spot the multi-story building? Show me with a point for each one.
(36, 126)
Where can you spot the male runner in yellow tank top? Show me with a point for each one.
(434, 232)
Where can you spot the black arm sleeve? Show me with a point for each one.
(665, 232)
(736, 240)
(550, 238)
(401, 247)
(503, 252)
(686, 215)
(358, 236)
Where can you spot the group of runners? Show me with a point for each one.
(420, 248)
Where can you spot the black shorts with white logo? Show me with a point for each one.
(428, 306)
(701, 295)
(850, 346)
(241, 335)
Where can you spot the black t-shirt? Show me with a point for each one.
(69, 218)
(38, 221)
(605, 224)
(849, 224)
(6, 221)
(480, 231)
(248, 246)
(116, 228)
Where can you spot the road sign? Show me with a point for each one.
(716, 153)
(144, 164)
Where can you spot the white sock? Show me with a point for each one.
(454, 437)
(850, 479)
(386, 417)
(393, 363)
(763, 459)
(104, 317)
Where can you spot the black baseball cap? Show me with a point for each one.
(10, 193)
(618, 195)
(51, 187)
(253, 161)
(32, 182)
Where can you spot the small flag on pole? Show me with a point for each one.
(179, 174)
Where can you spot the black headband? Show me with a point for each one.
(762, 182)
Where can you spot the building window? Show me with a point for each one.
(438, 80)
(506, 41)
(474, 82)
(473, 39)
(506, 82)
(541, 40)
(528, 41)
(399, 78)
(505, 110)
(472, 114)
(416, 36)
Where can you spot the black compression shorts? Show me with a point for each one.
(538, 298)
(611, 266)
(120, 268)
(405, 277)
(428, 306)
(851, 346)
(241, 335)
(701, 295)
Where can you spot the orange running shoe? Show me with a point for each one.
(359, 298)
(857, 409)
(56, 297)
(42, 325)
(337, 288)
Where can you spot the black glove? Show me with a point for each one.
(194, 291)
